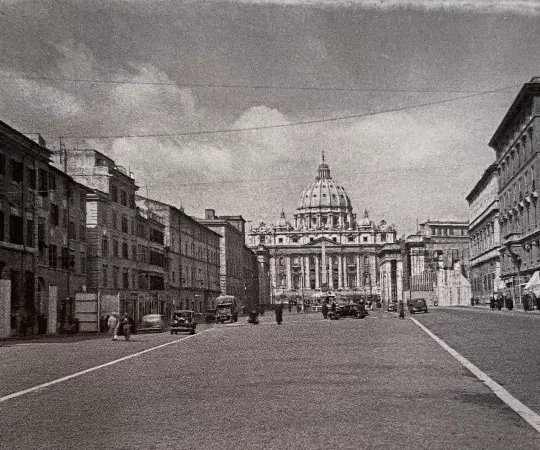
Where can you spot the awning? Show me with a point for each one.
(533, 285)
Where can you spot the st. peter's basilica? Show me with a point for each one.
(324, 247)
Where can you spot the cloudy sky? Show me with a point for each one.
(154, 85)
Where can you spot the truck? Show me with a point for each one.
(226, 309)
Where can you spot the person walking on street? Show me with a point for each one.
(492, 302)
(525, 301)
(113, 325)
(324, 310)
(333, 307)
(401, 310)
(290, 307)
(298, 308)
(536, 301)
(279, 313)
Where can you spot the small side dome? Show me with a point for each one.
(365, 222)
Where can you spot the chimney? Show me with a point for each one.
(209, 214)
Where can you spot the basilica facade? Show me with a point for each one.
(324, 248)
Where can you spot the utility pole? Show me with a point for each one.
(68, 196)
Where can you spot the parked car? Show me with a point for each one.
(152, 323)
(183, 320)
(417, 305)
(392, 307)
(355, 310)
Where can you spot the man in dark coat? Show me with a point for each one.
(279, 313)
(324, 310)
(401, 310)
(492, 302)
(525, 301)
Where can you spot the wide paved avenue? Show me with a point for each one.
(377, 383)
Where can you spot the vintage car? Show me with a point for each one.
(392, 307)
(152, 323)
(355, 310)
(183, 320)
(417, 305)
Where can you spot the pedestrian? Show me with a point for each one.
(472, 301)
(500, 302)
(333, 307)
(113, 324)
(510, 304)
(279, 313)
(536, 301)
(290, 307)
(324, 310)
(492, 302)
(525, 301)
(298, 308)
(401, 310)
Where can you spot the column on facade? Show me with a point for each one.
(302, 272)
(330, 273)
(288, 272)
(359, 282)
(273, 272)
(340, 271)
(317, 285)
(345, 273)
(307, 281)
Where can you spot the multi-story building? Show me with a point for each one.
(121, 239)
(516, 143)
(239, 270)
(325, 248)
(42, 242)
(192, 257)
(484, 236)
(436, 262)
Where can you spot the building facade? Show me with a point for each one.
(42, 238)
(516, 144)
(126, 264)
(484, 236)
(239, 267)
(436, 263)
(325, 248)
(192, 257)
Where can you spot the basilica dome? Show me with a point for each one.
(324, 203)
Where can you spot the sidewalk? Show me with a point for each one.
(32, 338)
(514, 310)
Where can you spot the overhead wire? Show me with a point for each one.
(293, 124)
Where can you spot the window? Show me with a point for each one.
(43, 183)
(104, 275)
(52, 182)
(115, 274)
(32, 178)
(310, 239)
(134, 253)
(335, 239)
(280, 240)
(30, 233)
(72, 231)
(55, 215)
(41, 237)
(104, 247)
(115, 249)
(17, 171)
(364, 239)
(115, 194)
(2, 164)
(295, 240)
(125, 279)
(125, 228)
(114, 219)
(132, 201)
(262, 239)
(383, 237)
(65, 260)
(157, 236)
(15, 230)
(53, 256)
(83, 263)
(125, 250)
(123, 198)
(350, 238)
(157, 259)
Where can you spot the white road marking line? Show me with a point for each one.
(101, 366)
(525, 412)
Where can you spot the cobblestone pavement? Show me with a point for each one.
(376, 383)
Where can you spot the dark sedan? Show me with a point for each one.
(152, 323)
